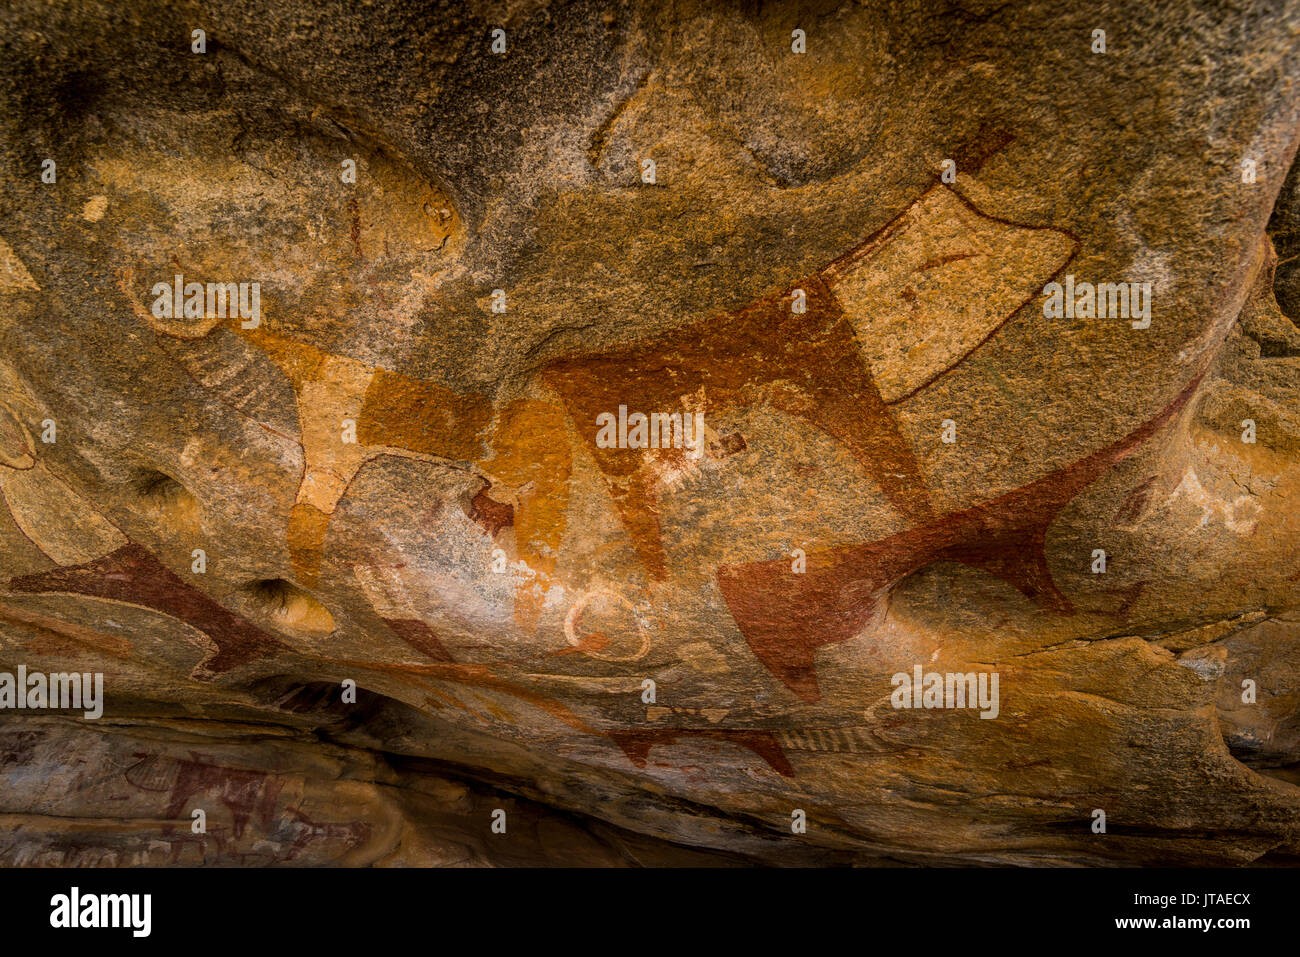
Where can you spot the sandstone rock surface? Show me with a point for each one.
(388, 470)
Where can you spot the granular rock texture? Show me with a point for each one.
(591, 429)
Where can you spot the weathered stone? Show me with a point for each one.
(386, 469)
